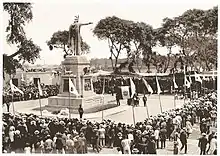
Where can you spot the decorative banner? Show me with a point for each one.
(190, 80)
(158, 86)
(22, 77)
(14, 88)
(148, 86)
(39, 88)
(125, 92)
(72, 88)
(186, 82)
(174, 83)
(197, 78)
(133, 89)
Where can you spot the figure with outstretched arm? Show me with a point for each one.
(75, 37)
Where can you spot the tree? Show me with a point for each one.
(192, 24)
(59, 39)
(19, 15)
(141, 35)
(116, 32)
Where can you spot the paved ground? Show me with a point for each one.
(121, 113)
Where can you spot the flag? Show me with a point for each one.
(133, 89)
(14, 88)
(22, 77)
(72, 88)
(52, 76)
(125, 92)
(158, 86)
(186, 82)
(39, 88)
(31, 79)
(103, 88)
(198, 78)
(213, 75)
(148, 86)
(174, 83)
(190, 80)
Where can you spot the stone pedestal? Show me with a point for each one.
(83, 83)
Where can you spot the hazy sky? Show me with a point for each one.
(56, 15)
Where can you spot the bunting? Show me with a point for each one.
(174, 83)
(198, 78)
(158, 87)
(133, 89)
(39, 88)
(72, 88)
(14, 88)
(148, 86)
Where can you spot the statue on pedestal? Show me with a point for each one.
(75, 37)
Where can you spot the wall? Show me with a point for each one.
(45, 77)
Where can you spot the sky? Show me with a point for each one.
(51, 16)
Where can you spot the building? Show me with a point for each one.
(47, 77)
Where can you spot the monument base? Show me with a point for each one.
(89, 104)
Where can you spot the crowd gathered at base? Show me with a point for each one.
(28, 133)
(31, 93)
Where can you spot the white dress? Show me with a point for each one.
(213, 146)
(126, 146)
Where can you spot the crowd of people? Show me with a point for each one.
(31, 92)
(28, 133)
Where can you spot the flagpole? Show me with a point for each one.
(103, 91)
(147, 108)
(40, 105)
(12, 100)
(190, 89)
(133, 114)
(160, 105)
(213, 79)
(161, 109)
(174, 91)
(184, 86)
(69, 101)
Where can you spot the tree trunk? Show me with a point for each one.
(137, 63)
(168, 61)
(8, 106)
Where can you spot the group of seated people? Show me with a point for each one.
(29, 133)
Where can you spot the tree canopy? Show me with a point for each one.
(122, 35)
(19, 15)
(195, 32)
(59, 39)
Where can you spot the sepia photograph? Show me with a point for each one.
(109, 77)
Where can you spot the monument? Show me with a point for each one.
(74, 65)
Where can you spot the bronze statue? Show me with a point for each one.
(75, 37)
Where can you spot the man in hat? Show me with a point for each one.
(145, 100)
(81, 111)
(203, 144)
(183, 139)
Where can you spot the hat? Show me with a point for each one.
(81, 134)
(36, 132)
(17, 132)
(119, 134)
